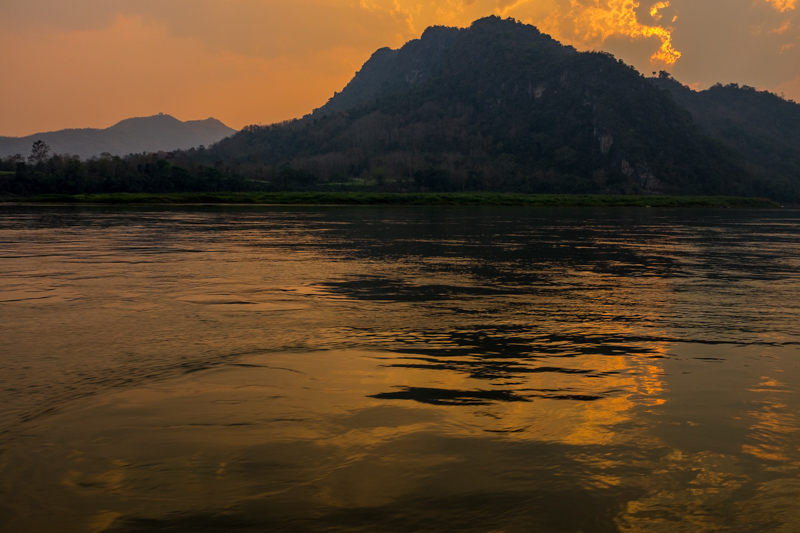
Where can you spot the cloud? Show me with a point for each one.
(783, 27)
(783, 5)
(734, 41)
(593, 22)
(72, 15)
(134, 67)
(275, 27)
(582, 23)
(264, 28)
(92, 62)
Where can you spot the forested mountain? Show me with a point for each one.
(762, 127)
(497, 106)
(133, 135)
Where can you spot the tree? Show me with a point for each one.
(39, 152)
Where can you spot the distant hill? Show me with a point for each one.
(761, 127)
(133, 135)
(498, 106)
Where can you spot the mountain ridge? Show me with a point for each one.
(132, 135)
(496, 106)
(761, 126)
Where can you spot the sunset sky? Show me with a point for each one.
(91, 63)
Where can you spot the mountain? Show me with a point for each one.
(134, 135)
(496, 106)
(762, 127)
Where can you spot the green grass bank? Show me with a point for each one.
(359, 198)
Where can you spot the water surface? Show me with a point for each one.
(399, 369)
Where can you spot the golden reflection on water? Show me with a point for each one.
(102, 521)
(775, 432)
(303, 426)
(290, 379)
(300, 427)
(313, 427)
(709, 491)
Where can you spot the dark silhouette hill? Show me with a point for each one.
(498, 106)
(760, 126)
(133, 135)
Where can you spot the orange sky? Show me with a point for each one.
(91, 63)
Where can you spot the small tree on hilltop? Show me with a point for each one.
(39, 152)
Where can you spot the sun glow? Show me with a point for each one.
(602, 20)
(582, 23)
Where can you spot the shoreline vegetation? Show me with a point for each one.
(433, 199)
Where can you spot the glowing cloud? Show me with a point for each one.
(249, 61)
(595, 21)
(654, 11)
(782, 29)
(582, 23)
(783, 5)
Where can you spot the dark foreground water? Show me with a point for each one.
(399, 370)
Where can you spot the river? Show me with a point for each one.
(397, 369)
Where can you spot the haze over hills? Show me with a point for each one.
(134, 135)
(501, 106)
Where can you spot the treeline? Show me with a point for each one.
(191, 171)
(152, 173)
(181, 172)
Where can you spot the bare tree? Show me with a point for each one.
(39, 152)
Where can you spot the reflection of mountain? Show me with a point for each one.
(133, 135)
(574, 313)
(509, 325)
(513, 314)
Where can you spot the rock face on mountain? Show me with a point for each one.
(133, 135)
(501, 106)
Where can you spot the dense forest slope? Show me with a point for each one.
(499, 106)
(133, 135)
(762, 127)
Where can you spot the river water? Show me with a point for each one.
(399, 369)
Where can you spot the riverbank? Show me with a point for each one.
(349, 198)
